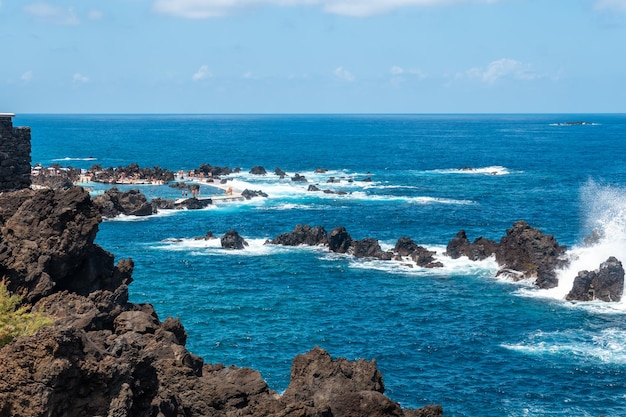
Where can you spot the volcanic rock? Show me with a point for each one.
(115, 202)
(339, 240)
(531, 254)
(370, 248)
(282, 174)
(248, 194)
(46, 244)
(480, 249)
(232, 240)
(605, 283)
(194, 203)
(299, 178)
(258, 170)
(302, 235)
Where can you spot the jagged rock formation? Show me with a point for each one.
(531, 253)
(249, 194)
(115, 202)
(258, 170)
(605, 283)
(232, 240)
(46, 244)
(105, 356)
(302, 235)
(340, 241)
(480, 249)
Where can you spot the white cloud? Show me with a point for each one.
(202, 73)
(343, 74)
(398, 72)
(53, 14)
(79, 78)
(202, 9)
(27, 76)
(611, 5)
(503, 68)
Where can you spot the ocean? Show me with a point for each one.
(459, 336)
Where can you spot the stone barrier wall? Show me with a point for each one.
(14, 155)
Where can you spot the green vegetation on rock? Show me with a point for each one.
(17, 320)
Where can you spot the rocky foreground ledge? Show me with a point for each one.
(105, 356)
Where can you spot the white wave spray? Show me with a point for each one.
(605, 216)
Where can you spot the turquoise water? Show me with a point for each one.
(457, 336)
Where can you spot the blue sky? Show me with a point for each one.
(313, 56)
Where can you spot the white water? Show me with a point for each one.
(605, 208)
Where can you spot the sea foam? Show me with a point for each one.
(605, 215)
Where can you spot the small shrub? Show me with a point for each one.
(17, 320)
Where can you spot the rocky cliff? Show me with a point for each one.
(105, 356)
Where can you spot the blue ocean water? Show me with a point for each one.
(456, 336)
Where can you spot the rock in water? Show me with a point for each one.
(302, 235)
(114, 202)
(531, 253)
(232, 240)
(480, 249)
(605, 283)
(339, 240)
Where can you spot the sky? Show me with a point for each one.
(313, 56)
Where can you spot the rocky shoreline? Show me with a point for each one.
(106, 356)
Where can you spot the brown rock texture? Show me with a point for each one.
(107, 357)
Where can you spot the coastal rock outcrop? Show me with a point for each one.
(480, 249)
(258, 170)
(46, 244)
(106, 356)
(420, 255)
(194, 203)
(115, 202)
(302, 235)
(232, 240)
(605, 283)
(339, 240)
(249, 194)
(526, 252)
(370, 248)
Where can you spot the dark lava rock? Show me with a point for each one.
(282, 174)
(605, 283)
(370, 248)
(530, 253)
(258, 170)
(115, 202)
(480, 249)
(339, 240)
(232, 240)
(249, 194)
(302, 235)
(299, 178)
(194, 203)
(405, 246)
(162, 204)
(46, 244)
